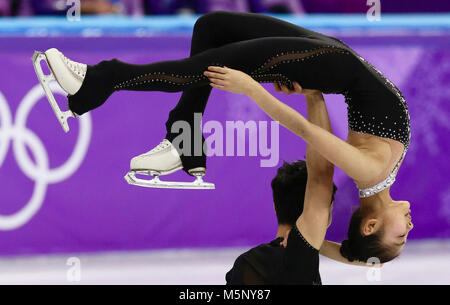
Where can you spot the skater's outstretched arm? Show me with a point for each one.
(361, 164)
(314, 220)
(331, 250)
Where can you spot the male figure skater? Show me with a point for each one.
(303, 194)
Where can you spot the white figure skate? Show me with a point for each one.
(69, 75)
(163, 160)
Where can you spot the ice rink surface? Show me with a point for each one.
(425, 262)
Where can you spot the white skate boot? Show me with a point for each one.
(69, 75)
(163, 160)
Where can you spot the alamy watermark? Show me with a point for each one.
(229, 140)
(74, 272)
(74, 11)
(374, 12)
(374, 273)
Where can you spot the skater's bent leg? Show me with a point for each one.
(271, 59)
(213, 30)
(313, 64)
(219, 28)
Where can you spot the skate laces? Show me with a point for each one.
(76, 67)
(161, 146)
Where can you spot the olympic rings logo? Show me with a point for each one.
(40, 172)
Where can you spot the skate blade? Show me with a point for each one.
(45, 82)
(198, 184)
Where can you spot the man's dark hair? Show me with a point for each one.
(288, 188)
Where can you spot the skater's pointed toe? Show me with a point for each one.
(135, 164)
(139, 162)
(68, 73)
(163, 159)
(52, 52)
(158, 163)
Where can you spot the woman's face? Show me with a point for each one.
(397, 224)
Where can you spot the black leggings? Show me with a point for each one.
(266, 48)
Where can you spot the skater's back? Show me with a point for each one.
(272, 264)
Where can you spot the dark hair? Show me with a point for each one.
(363, 247)
(288, 188)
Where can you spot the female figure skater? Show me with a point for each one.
(257, 48)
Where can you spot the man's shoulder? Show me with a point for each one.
(265, 260)
(264, 252)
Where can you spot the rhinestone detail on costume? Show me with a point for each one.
(371, 125)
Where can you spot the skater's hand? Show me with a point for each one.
(279, 87)
(229, 79)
